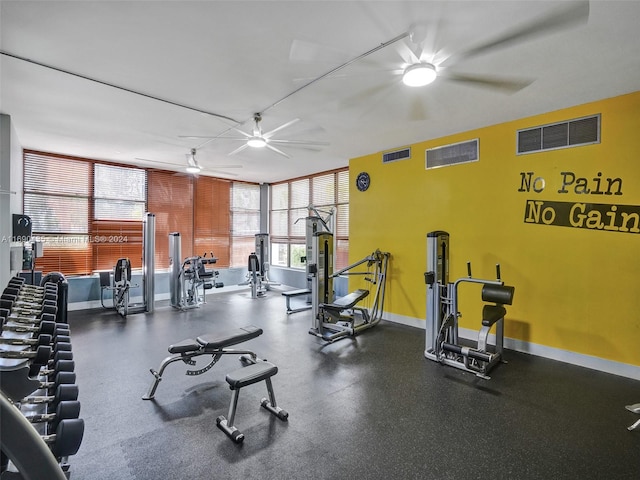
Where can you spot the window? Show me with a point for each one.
(245, 221)
(290, 203)
(120, 193)
(170, 197)
(119, 203)
(57, 198)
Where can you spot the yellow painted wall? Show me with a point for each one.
(576, 288)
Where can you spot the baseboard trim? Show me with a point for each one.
(566, 356)
(91, 304)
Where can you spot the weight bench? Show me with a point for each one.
(635, 408)
(295, 293)
(215, 344)
(244, 377)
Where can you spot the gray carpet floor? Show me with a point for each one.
(369, 407)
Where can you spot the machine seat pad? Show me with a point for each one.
(185, 346)
(251, 374)
(348, 301)
(492, 313)
(295, 293)
(215, 341)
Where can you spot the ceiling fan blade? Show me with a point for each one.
(196, 136)
(281, 127)
(365, 95)
(303, 51)
(417, 109)
(220, 172)
(247, 135)
(159, 161)
(298, 142)
(239, 149)
(567, 16)
(505, 84)
(278, 151)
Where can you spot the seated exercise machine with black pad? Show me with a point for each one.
(189, 279)
(258, 267)
(442, 331)
(216, 345)
(121, 286)
(118, 281)
(332, 318)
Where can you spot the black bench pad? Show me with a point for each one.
(295, 293)
(492, 313)
(251, 374)
(348, 301)
(185, 346)
(229, 337)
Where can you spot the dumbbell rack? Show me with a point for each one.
(39, 407)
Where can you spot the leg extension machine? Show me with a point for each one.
(442, 342)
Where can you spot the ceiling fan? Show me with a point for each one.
(419, 66)
(258, 139)
(192, 166)
(422, 68)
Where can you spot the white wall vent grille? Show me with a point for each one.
(572, 133)
(396, 155)
(453, 154)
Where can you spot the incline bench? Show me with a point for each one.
(296, 293)
(216, 345)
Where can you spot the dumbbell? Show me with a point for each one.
(11, 302)
(21, 308)
(46, 327)
(61, 378)
(49, 294)
(27, 320)
(39, 356)
(64, 410)
(19, 282)
(64, 392)
(67, 439)
(52, 371)
(44, 339)
(48, 306)
(32, 288)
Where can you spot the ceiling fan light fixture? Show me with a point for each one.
(419, 74)
(192, 164)
(257, 142)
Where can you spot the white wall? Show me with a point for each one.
(10, 192)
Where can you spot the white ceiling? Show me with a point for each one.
(234, 58)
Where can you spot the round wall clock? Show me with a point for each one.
(363, 181)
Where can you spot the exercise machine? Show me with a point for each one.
(317, 221)
(635, 408)
(119, 280)
(216, 345)
(333, 318)
(189, 279)
(442, 333)
(120, 287)
(258, 267)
